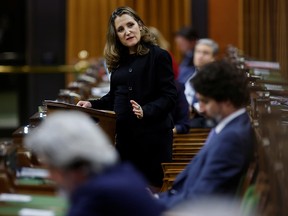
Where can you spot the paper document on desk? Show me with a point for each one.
(33, 173)
(15, 198)
(35, 212)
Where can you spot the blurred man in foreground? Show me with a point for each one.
(85, 164)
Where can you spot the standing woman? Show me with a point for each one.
(142, 94)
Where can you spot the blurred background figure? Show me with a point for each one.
(205, 52)
(84, 163)
(185, 40)
(180, 113)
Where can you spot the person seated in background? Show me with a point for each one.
(222, 91)
(205, 52)
(185, 40)
(180, 113)
(85, 164)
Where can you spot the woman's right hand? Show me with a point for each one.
(85, 104)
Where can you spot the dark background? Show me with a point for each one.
(32, 32)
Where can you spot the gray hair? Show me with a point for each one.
(68, 137)
(209, 42)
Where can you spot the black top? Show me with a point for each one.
(148, 80)
(123, 81)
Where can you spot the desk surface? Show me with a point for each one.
(58, 105)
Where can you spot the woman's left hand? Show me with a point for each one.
(137, 109)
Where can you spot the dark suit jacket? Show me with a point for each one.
(118, 191)
(186, 67)
(218, 167)
(181, 110)
(185, 73)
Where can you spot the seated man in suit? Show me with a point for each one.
(222, 91)
(84, 163)
(185, 40)
(205, 52)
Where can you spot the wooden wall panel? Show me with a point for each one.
(165, 14)
(87, 22)
(265, 31)
(176, 21)
(225, 23)
(282, 36)
(187, 13)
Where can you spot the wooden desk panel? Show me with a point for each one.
(106, 119)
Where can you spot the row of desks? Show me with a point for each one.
(269, 115)
(43, 194)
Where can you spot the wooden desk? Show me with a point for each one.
(106, 119)
(36, 119)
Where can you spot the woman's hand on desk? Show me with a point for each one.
(85, 104)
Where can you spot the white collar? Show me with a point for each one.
(228, 119)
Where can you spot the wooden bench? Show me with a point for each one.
(185, 147)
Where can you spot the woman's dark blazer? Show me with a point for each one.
(151, 84)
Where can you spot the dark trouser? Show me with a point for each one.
(146, 151)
